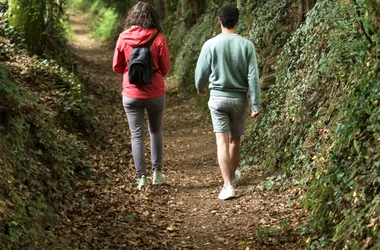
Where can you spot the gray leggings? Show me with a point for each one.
(135, 108)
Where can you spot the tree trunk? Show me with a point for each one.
(374, 6)
(27, 16)
(159, 6)
(240, 3)
(305, 6)
(310, 4)
(191, 10)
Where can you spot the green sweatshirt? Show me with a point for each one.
(228, 62)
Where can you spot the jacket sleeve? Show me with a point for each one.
(164, 57)
(118, 64)
(203, 69)
(253, 79)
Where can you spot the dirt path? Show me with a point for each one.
(110, 213)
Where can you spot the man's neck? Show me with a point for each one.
(227, 31)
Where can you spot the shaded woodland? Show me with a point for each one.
(317, 140)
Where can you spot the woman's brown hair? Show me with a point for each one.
(142, 14)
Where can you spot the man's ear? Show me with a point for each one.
(219, 21)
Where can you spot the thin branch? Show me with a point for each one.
(362, 25)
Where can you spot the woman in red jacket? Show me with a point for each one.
(141, 25)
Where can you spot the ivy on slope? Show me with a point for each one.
(186, 57)
(267, 23)
(41, 115)
(58, 88)
(265, 27)
(321, 125)
(38, 163)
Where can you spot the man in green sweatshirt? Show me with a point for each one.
(228, 64)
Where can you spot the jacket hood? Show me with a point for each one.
(137, 36)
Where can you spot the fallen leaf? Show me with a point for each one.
(242, 243)
(220, 239)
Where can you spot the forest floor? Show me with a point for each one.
(110, 213)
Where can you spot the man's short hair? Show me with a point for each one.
(229, 16)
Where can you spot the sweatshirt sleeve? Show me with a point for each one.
(164, 57)
(203, 69)
(253, 79)
(118, 64)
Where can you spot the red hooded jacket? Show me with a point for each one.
(137, 36)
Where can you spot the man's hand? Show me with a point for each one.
(203, 94)
(254, 113)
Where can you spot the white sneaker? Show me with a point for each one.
(158, 177)
(227, 193)
(236, 180)
(143, 183)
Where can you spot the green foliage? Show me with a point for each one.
(67, 31)
(120, 6)
(72, 112)
(347, 181)
(96, 7)
(38, 167)
(265, 25)
(42, 112)
(28, 18)
(106, 23)
(54, 78)
(186, 46)
(7, 48)
(320, 118)
(266, 20)
(107, 16)
(171, 17)
(83, 5)
(55, 36)
(43, 28)
(320, 124)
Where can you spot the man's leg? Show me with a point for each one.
(238, 121)
(224, 160)
(234, 150)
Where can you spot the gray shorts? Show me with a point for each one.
(228, 114)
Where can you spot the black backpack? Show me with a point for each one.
(140, 68)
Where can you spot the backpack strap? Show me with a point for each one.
(148, 44)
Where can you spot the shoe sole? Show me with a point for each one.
(228, 198)
(159, 183)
